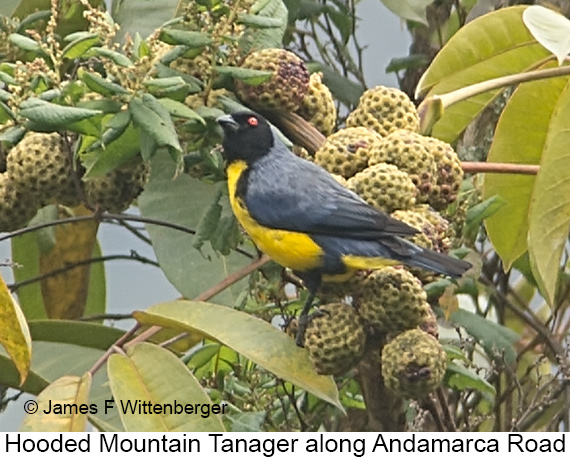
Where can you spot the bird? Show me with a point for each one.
(302, 218)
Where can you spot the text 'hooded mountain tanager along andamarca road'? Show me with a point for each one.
(303, 219)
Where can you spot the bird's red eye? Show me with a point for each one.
(253, 121)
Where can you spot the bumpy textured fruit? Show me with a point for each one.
(385, 109)
(429, 324)
(115, 191)
(442, 238)
(393, 300)
(17, 206)
(347, 151)
(318, 106)
(449, 174)
(199, 66)
(384, 187)
(428, 237)
(286, 88)
(409, 152)
(413, 364)
(335, 339)
(40, 164)
(426, 231)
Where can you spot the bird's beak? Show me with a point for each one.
(228, 123)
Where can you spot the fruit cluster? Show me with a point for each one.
(381, 157)
(40, 169)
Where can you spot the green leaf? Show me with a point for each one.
(343, 23)
(549, 214)
(66, 392)
(227, 234)
(209, 222)
(342, 88)
(120, 59)
(491, 46)
(119, 150)
(478, 213)
(53, 116)
(140, 375)
(152, 118)
(248, 422)
(254, 338)
(173, 87)
(142, 17)
(255, 39)
(25, 43)
(409, 10)
(25, 252)
(14, 332)
(12, 135)
(494, 338)
(185, 38)
(100, 85)
(181, 110)
(96, 302)
(522, 136)
(412, 61)
(141, 47)
(247, 75)
(460, 378)
(80, 46)
(84, 334)
(258, 22)
(161, 200)
(550, 29)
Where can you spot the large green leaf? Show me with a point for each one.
(256, 39)
(148, 373)
(494, 338)
(143, 17)
(70, 14)
(52, 116)
(183, 201)
(520, 137)
(97, 293)
(25, 253)
(409, 10)
(496, 44)
(549, 216)
(254, 338)
(154, 120)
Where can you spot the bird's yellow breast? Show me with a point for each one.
(294, 250)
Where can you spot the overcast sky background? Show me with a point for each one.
(131, 285)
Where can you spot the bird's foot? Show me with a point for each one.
(304, 321)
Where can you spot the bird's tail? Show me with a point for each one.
(393, 250)
(438, 263)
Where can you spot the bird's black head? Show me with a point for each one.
(247, 136)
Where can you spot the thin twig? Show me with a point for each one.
(119, 343)
(496, 167)
(81, 263)
(208, 294)
(102, 317)
(447, 416)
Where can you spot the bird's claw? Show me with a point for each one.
(304, 321)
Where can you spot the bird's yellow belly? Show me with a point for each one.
(293, 250)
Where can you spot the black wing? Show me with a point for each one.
(285, 192)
